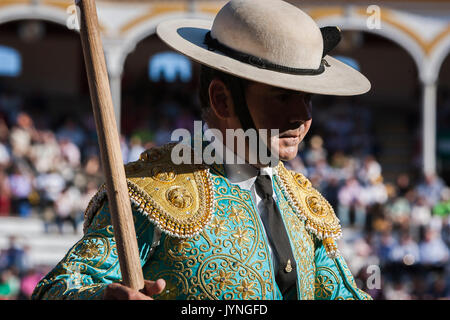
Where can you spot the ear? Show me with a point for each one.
(220, 99)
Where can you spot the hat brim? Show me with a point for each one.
(187, 36)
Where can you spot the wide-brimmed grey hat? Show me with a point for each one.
(267, 41)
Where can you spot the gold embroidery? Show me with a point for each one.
(330, 246)
(316, 212)
(245, 289)
(237, 215)
(211, 264)
(342, 298)
(95, 247)
(241, 236)
(163, 173)
(323, 287)
(316, 206)
(156, 186)
(223, 279)
(179, 197)
(89, 250)
(218, 226)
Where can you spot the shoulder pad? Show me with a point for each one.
(178, 199)
(317, 213)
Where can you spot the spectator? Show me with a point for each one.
(70, 152)
(72, 132)
(403, 184)
(385, 247)
(9, 284)
(397, 291)
(443, 207)
(5, 195)
(49, 186)
(92, 166)
(406, 251)
(430, 189)
(45, 154)
(21, 185)
(67, 207)
(14, 256)
(433, 250)
(420, 216)
(370, 171)
(21, 135)
(136, 149)
(350, 201)
(316, 152)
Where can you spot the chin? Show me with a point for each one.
(288, 153)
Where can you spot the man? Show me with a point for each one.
(228, 230)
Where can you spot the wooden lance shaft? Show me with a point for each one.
(108, 138)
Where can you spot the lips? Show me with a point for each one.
(296, 133)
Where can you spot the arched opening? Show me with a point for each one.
(53, 79)
(10, 62)
(443, 121)
(169, 67)
(158, 94)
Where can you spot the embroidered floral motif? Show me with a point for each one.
(180, 245)
(218, 226)
(241, 236)
(89, 250)
(179, 197)
(246, 289)
(223, 279)
(323, 287)
(237, 215)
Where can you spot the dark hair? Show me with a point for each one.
(208, 74)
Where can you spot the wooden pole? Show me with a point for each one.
(108, 138)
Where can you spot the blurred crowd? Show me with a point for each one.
(51, 170)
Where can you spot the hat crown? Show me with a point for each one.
(273, 30)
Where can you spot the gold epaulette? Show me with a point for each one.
(316, 212)
(178, 199)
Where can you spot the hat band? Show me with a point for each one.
(213, 44)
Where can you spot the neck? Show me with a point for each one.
(236, 146)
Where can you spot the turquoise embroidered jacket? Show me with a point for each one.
(203, 235)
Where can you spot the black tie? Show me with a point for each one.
(286, 275)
